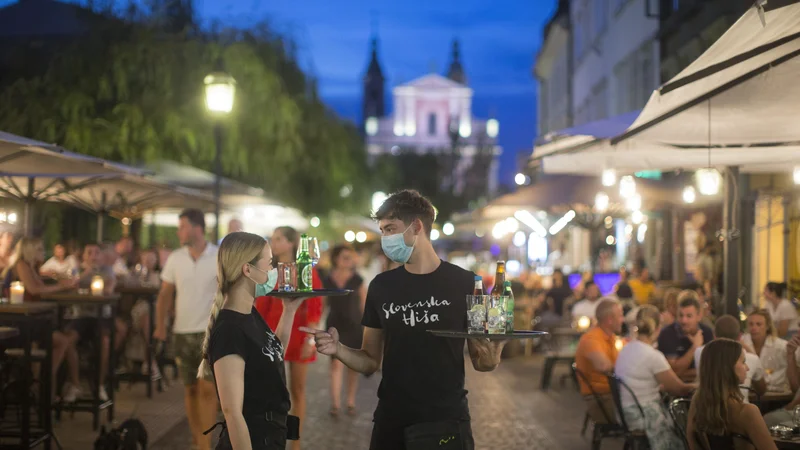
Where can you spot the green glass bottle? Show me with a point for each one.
(509, 296)
(305, 266)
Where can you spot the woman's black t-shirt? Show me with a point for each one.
(248, 336)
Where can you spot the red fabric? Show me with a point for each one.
(310, 312)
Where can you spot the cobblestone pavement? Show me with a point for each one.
(509, 412)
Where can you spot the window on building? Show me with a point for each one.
(647, 81)
(432, 124)
(600, 17)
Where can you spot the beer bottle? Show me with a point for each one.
(499, 279)
(478, 290)
(509, 307)
(305, 266)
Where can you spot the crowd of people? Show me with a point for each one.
(233, 341)
(654, 342)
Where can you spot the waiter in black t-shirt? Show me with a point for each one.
(422, 401)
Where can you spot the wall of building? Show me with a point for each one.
(615, 54)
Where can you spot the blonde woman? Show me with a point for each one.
(645, 370)
(243, 354)
(771, 350)
(718, 417)
(24, 265)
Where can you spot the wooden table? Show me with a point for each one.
(150, 295)
(8, 332)
(95, 406)
(26, 317)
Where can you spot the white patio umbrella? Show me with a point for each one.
(741, 92)
(32, 170)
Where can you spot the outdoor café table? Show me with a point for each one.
(561, 337)
(150, 295)
(771, 401)
(790, 443)
(68, 299)
(29, 318)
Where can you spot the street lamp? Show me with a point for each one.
(220, 90)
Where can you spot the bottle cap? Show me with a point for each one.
(478, 278)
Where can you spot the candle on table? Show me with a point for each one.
(17, 292)
(97, 285)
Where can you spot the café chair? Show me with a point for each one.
(634, 439)
(679, 412)
(610, 429)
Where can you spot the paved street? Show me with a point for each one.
(508, 409)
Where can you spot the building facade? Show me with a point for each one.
(615, 57)
(431, 115)
(553, 73)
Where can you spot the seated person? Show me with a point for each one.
(644, 370)
(60, 265)
(771, 350)
(727, 327)
(123, 250)
(679, 341)
(588, 305)
(786, 414)
(641, 284)
(139, 318)
(595, 357)
(782, 311)
(718, 416)
(86, 321)
(25, 260)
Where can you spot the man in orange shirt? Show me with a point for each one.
(595, 357)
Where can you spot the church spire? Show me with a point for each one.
(456, 71)
(372, 105)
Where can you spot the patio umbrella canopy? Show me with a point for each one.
(31, 170)
(742, 91)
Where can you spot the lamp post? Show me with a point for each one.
(220, 90)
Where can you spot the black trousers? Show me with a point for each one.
(445, 435)
(263, 436)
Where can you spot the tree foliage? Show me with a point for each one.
(131, 90)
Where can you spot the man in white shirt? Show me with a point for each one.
(785, 414)
(728, 327)
(588, 306)
(190, 278)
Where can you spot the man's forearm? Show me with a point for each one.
(357, 360)
(162, 306)
(683, 363)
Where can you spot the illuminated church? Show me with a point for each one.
(432, 114)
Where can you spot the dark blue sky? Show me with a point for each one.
(498, 39)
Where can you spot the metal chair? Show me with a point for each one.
(679, 412)
(634, 439)
(610, 429)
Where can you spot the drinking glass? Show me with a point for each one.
(496, 315)
(476, 313)
(313, 250)
(287, 276)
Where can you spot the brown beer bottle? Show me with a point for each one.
(499, 279)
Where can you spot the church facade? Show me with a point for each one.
(431, 114)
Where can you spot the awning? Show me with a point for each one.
(742, 91)
(31, 171)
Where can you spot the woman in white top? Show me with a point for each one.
(60, 265)
(771, 350)
(782, 311)
(644, 369)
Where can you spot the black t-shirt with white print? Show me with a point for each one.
(423, 375)
(248, 336)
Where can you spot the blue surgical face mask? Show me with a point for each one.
(395, 247)
(263, 289)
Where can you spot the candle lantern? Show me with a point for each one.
(97, 285)
(17, 292)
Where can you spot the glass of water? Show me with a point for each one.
(287, 277)
(476, 313)
(496, 315)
